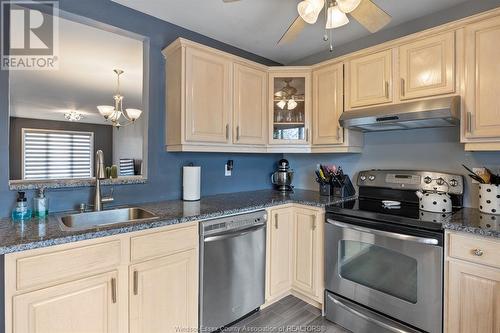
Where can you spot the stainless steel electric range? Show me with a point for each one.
(384, 262)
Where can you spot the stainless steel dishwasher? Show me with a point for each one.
(232, 268)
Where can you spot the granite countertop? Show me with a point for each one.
(471, 220)
(38, 233)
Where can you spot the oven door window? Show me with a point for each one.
(379, 268)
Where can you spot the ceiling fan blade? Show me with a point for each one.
(230, 1)
(371, 16)
(293, 30)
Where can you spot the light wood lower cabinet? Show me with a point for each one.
(87, 305)
(111, 292)
(472, 290)
(295, 254)
(279, 253)
(163, 296)
(308, 253)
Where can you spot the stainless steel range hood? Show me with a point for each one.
(438, 112)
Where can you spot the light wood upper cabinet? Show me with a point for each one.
(369, 80)
(208, 97)
(473, 304)
(307, 252)
(328, 104)
(427, 67)
(85, 305)
(279, 252)
(250, 105)
(163, 294)
(290, 107)
(482, 73)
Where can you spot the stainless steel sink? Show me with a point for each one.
(93, 220)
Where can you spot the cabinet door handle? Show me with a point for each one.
(136, 282)
(338, 133)
(307, 134)
(402, 87)
(386, 89)
(314, 223)
(276, 221)
(113, 290)
(469, 122)
(237, 133)
(227, 131)
(477, 252)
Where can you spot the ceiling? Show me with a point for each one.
(85, 79)
(256, 25)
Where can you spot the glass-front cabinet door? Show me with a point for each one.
(290, 107)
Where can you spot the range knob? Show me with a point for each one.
(454, 182)
(440, 181)
(371, 177)
(427, 180)
(362, 177)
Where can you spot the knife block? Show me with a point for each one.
(346, 190)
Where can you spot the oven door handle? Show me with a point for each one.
(423, 240)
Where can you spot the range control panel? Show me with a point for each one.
(412, 180)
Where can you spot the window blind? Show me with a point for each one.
(51, 154)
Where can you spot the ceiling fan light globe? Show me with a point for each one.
(309, 10)
(348, 6)
(335, 18)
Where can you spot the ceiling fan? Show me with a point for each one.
(367, 13)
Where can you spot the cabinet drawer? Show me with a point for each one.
(58, 266)
(483, 251)
(163, 243)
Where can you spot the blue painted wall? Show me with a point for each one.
(436, 149)
(251, 171)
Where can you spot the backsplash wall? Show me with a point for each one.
(436, 149)
(251, 172)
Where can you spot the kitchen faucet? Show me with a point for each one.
(99, 175)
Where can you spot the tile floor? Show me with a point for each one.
(290, 314)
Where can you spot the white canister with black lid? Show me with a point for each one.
(489, 199)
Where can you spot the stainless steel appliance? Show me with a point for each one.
(232, 268)
(384, 262)
(282, 179)
(437, 112)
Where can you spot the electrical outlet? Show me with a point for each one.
(479, 172)
(228, 168)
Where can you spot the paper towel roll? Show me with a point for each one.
(191, 180)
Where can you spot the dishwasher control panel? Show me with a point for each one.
(240, 221)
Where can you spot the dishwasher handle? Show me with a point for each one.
(238, 233)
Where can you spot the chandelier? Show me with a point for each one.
(115, 114)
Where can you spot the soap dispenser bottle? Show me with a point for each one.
(40, 204)
(21, 212)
